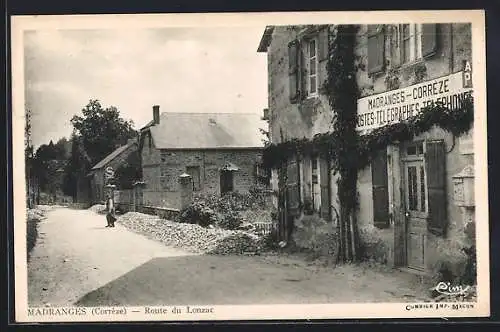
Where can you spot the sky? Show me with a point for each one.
(181, 69)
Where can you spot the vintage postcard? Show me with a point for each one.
(252, 166)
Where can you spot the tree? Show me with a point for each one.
(76, 167)
(129, 172)
(102, 130)
(28, 160)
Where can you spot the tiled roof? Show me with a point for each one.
(208, 131)
(113, 155)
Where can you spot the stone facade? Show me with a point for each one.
(454, 46)
(162, 168)
(312, 114)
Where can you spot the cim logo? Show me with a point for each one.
(467, 75)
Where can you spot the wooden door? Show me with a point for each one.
(282, 206)
(289, 197)
(416, 207)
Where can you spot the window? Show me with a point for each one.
(418, 41)
(194, 171)
(376, 48)
(304, 57)
(312, 67)
(411, 39)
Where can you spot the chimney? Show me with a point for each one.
(156, 114)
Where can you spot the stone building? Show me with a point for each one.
(412, 201)
(115, 159)
(221, 152)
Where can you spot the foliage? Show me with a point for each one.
(129, 172)
(228, 211)
(342, 91)
(349, 152)
(452, 264)
(315, 235)
(102, 130)
(230, 219)
(77, 166)
(374, 243)
(48, 164)
(198, 212)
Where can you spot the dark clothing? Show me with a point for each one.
(110, 213)
(110, 219)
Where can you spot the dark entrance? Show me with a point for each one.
(226, 182)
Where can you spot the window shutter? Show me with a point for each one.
(302, 74)
(324, 178)
(396, 43)
(380, 190)
(376, 48)
(435, 159)
(323, 44)
(293, 187)
(429, 39)
(293, 70)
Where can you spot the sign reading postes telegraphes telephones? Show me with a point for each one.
(399, 105)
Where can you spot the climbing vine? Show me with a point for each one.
(346, 150)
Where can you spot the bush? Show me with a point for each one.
(198, 213)
(374, 244)
(315, 235)
(230, 220)
(452, 263)
(229, 211)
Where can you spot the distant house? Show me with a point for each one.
(113, 160)
(221, 151)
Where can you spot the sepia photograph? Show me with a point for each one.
(179, 167)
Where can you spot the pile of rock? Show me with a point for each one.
(98, 208)
(191, 237)
(35, 214)
(238, 243)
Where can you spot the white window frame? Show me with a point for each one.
(415, 40)
(310, 58)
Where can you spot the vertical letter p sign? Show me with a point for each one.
(467, 75)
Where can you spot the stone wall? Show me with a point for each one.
(311, 116)
(304, 119)
(161, 171)
(314, 115)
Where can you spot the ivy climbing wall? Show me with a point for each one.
(453, 47)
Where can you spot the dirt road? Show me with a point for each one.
(79, 261)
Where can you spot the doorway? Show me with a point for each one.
(226, 182)
(416, 204)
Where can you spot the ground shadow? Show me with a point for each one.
(223, 280)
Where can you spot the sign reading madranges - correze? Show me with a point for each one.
(399, 105)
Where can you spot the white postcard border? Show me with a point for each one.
(256, 312)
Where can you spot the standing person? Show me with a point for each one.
(110, 211)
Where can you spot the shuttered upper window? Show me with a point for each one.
(376, 48)
(312, 67)
(417, 41)
(304, 58)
